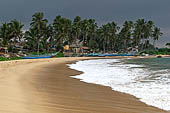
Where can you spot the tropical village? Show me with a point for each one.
(80, 37)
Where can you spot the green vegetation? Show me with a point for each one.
(161, 51)
(7, 59)
(51, 37)
(59, 55)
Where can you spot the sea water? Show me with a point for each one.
(147, 79)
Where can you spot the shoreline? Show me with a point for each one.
(108, 81)
(34, 92)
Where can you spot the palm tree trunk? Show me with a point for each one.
(104, 47)
(142, 44)
(137, 43)
(14, 41)
(83, 40)
(38, 49)
(125, 45)
(114, 44)
(153, 43)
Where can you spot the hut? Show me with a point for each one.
(4, 50)
(85, 49)
(75, 47)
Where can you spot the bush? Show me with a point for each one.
(161, 51)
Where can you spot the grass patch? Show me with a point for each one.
(8, 59)
(59, 55)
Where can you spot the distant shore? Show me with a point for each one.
(45, 86)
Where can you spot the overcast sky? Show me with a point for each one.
(102, 10)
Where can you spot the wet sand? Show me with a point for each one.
(45, 86)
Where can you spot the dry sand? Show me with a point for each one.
(44, 86)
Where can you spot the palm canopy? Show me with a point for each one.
(62, 29)
(126, 33)
(108, 37)
(16, 28)
(31, 39)
(156, 34)
(38, 21)
(39, 25)
(5, 34)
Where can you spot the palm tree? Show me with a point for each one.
(108, 36)
(92, 32)
(104, 36)
(42, 36)
(62, 29)
(31, 39)
(39, 25)
(126, 33)
(50, 37)
(156, 34)
(148, 30)
(76, 28)
(16, 28)
(138, 32)
(85, 31)
(5, 34)
(113, 29)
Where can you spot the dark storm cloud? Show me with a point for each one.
(102, 10)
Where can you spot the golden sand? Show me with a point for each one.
(44, 86)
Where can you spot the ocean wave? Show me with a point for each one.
(151, 87)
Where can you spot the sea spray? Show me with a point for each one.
(127, 78)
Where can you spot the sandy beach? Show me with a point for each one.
(45, 86)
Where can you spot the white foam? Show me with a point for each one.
(124, 78)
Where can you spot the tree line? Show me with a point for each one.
(42, 36)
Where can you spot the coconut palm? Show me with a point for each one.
(50, 37)
(92, 32)
(156, 34)
(62, 29)
(85, 31)
(138, 33)
(105, 36)
(16, 28)
(31, 40)
(5, 34)
(126, 33)
(148, 29)
(76, 28)
(39, 25)
(109, 37)
(113, 29)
